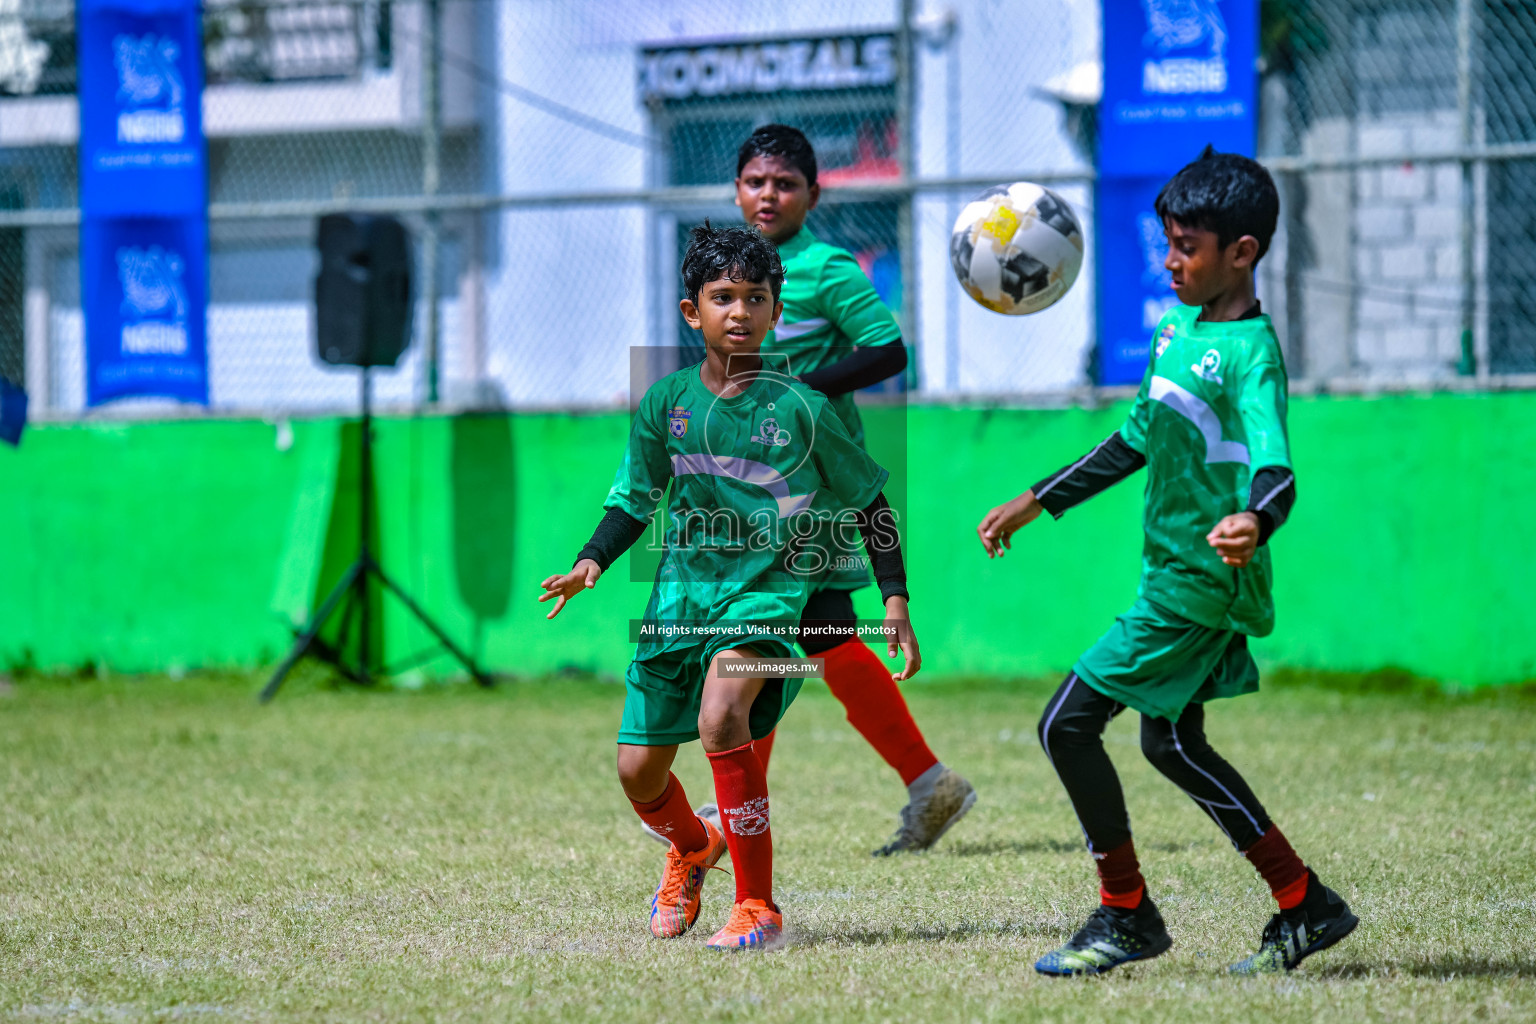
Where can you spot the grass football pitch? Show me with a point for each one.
(170, 850)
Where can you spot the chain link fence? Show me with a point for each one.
(570, 147)
(1405, 134)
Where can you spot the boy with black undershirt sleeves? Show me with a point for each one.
(743, 457)
(1209, 426)
(839, 337)
(836, 336)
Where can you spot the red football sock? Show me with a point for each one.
(741, 789)
(672, 816)
(764, 748)
(857, 677)
(1274, 859)
(1120, 881)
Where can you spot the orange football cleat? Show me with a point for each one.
(675, 906)
(753, 925)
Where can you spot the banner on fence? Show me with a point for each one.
(144, 198)
(1178, 75)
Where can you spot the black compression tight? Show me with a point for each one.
(828, 609)
(1072, 733)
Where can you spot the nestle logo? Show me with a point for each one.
(151, 126)
(154, 338)
(1182, 75)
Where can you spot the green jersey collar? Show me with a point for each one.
(799, 242)
(746, 394)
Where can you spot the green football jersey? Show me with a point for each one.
(750, 478)
(829, 307)
(1210, 413)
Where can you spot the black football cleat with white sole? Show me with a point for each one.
(1291, 936)
(1110, 937)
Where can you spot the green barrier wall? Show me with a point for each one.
(154, 546)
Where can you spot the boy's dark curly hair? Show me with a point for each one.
(737, 254)
(1225, 193)
(780, 140)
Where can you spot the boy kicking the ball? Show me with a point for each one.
(753, 460)
(1209, 426)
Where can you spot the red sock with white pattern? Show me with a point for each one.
(741, 790)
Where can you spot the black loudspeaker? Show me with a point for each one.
(363, 292)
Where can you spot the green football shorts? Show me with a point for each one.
(845, 570)
(662, 693)
(1159, 663)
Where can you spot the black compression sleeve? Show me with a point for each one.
(1270, 497)
(614, 535)
(866, 365)
(1110, 462)
(877, 525)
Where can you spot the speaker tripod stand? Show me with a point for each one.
(352, 589)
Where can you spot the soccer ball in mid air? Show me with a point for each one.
(1016, 248)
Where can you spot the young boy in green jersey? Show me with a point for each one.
(1209, 426)
(838, 337)
(753, 459)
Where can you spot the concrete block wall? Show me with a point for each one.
(1407, 249)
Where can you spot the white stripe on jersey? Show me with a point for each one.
(747, 471)
(798, 329)
(1194, 409)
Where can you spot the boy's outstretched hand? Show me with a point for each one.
(898, 619)
(998, 525)
(560, 589)
(1236, 538)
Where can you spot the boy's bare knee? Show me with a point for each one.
(723, 721)
(717, 718)
(643, 771)
(726, 705)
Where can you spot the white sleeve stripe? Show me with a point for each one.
(1042, 492)
(1282, 485)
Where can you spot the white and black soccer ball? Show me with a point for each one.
(1017, 248)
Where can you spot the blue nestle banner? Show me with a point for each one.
(1136, 289)
(1178, 74)
(141, 120)
(143, 198)
(145, 291)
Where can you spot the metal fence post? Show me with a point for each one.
(1468, 364)
(1295, 302)
(952, 207)
(906, 108)
(431, 181)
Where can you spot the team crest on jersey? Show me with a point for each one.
(1163, 338)
(677, 421)
(1208, 365)
(769, 433)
